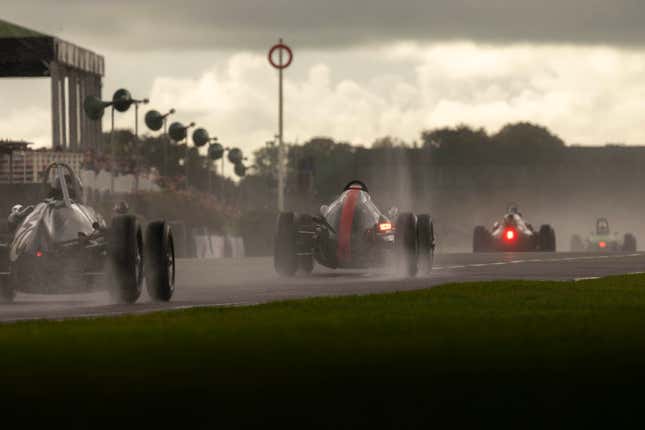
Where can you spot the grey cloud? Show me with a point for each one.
(328, 24)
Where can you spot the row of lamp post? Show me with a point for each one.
(122, 100)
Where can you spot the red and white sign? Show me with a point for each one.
(283, 60)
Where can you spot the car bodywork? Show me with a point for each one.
(513, 233)
(602, 239)
(58, 244)
(352, 232)
(61, 245)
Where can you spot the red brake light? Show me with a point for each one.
(602, 244)
(39, 253)
(509, 235)
(385, 226)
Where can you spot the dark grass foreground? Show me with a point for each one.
(515, 352)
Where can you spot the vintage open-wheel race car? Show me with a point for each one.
(61, 245)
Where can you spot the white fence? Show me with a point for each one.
(102, 181)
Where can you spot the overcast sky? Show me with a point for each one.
(362, 69)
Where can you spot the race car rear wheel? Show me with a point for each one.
(547, 238)
(480, 239)
(629, 243)
(425, 232)
(406, 244)
(7, 292)
(126, 256)
(159, 261)
(285, 259)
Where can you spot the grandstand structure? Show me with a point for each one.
(21, 165)
(74, 72)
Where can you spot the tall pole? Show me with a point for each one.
(282, 63)
(166, 142)
(136, 147)
(10, 166)
(186, 164)
(281, 166)
(210, 176)
(113, 169)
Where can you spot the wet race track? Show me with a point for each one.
(252, 280)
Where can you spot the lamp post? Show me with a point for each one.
(202, 138)
(155, 122)
(179, 132)
(121, 102)
(136, 141)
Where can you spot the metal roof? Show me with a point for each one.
(9, 146)
(28, 53)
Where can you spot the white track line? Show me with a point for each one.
(538, 260)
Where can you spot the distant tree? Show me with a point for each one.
(330, 162)
(460, 144)
(524, 142)
(266, 160)
(388, 142)
(527, 134)
(461, 136)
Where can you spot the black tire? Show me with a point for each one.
(406, 244)
(7, 291)
(126, 257)
(426, 241)
(629, 243)
(480, 239)
(159, 257)
(576, 244)
(304, 243)
(285, 259)
(547, 238)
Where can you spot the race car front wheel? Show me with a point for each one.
(480, 239)
(159, 258)
(629, 243)
(126, 256)
(425, 232)
(285, 259)
(547, 238)
(406, 243)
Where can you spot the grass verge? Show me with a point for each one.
(516, 350)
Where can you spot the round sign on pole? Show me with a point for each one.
(285, 57)
(282, 63)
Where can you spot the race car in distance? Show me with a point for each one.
(603, 240)
(353, 233)
(63, 246)
(513, 233)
